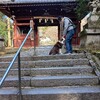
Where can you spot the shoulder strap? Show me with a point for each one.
(72, 23)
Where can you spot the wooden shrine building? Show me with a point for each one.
(22, 11)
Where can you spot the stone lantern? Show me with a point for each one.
(93, 29)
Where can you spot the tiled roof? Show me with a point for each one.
(34, 1)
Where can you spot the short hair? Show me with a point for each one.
(59, 18)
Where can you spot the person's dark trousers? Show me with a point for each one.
(68, 41)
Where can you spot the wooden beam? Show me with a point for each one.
(38, 17)
(22, 24)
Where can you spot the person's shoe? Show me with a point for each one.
(68, 53)
(65, 52)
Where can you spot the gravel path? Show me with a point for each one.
(42, 50)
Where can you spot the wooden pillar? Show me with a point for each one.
(36, 35)
(9, 33)
(15, 34)
(79, 29)
(58, 32)
(32, 33)
(60, 28)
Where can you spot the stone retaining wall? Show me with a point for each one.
(2, 47)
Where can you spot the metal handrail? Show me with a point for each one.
(12, 62)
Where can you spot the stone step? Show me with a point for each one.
(47, 63)
(61, 70)
(51, 93)
(60, 56)
(67, 80)
(13, 72)
(45, 57)
(52, 81)
(50, 71)
(61, 62)
(9, 59)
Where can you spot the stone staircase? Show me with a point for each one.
(58, 77)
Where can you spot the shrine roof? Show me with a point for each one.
(27, 8)
(33, 1)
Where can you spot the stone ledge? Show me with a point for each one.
(93, 31)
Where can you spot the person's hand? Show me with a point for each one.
(63, 36)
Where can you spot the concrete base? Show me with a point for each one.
(92, 38)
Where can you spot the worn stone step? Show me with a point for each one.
(49, 81)
(47, 63)
(13, 72)
(61, 70)
(51, 93)
(61, 62)
(67, 80)
(60, 56)
(45, 57)
(49, 71)
(9, 59)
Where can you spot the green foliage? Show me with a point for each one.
(3, 28)
(82, 9)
